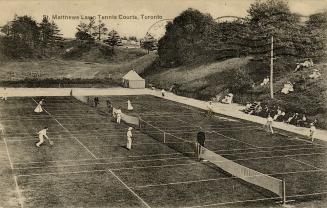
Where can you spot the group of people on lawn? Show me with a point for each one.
(116, 113)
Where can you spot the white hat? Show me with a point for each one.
(130, 128)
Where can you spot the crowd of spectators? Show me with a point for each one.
(278, 114)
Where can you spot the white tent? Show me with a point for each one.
(133, 80)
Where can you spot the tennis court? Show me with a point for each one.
(89, 166)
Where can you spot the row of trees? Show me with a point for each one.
(193, 35)
(90, 31)
(24, 37)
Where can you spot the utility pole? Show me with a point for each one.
(271, 68)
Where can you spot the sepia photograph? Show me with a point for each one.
(163, 103)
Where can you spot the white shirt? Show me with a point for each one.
(118, 112)
(42, 133)
(270, 119)
(312, 129)
(129, 134)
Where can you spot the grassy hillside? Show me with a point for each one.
(207, 80)
(84, 64)
(199, 81)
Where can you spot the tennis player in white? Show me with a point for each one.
(42, 134)
(129, 138)
(118, 113)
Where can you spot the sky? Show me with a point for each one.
(125, 16)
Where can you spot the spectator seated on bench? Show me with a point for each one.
(308, 63)
(262, 111)
(265, 81)
(250, 110)
(281, 117)
(228, 99)
(247, 107)
(278, 113)
(293, 119)
(258, 110)
(302, 121)
(288, 87)
(315, 74)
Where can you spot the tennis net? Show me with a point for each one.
(174, 142)
(184, 146)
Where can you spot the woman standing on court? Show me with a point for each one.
(129, 105)
(129, 138)
(38, 108)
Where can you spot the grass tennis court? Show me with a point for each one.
(89, 165)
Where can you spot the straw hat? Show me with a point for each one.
(130, 128)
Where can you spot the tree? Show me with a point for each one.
(100, 29)
(316, 26)
(49, 34)
(113, 39)
(149, 43)
(22, 37)
(185, 38)
(133, 38)
(274, 18)
(84, 36)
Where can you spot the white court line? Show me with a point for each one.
(19, 195)
(226, 178)
(257, 200)
(301, 162)
(216, 133)
(155, 166)
(135, 194)
(60, 173)
(104, 163)
(90, 171)
(235, 139)
(236, 202)
(68, 131)
(56, 161)
(162, 159)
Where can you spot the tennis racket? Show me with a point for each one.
(50, 141)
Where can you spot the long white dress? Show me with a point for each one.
(129, 105)
(38, 108)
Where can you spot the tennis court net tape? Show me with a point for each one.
(251, 176)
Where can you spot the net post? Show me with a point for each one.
(140, 125)
(284, 192)
(164, 137)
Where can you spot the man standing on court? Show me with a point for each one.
(129, 138)
(96, 102)
(118, 114)
(201, 137)
(42, 134)
(268, 125)
(312, 131)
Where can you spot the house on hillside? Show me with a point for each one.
(133, 80)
